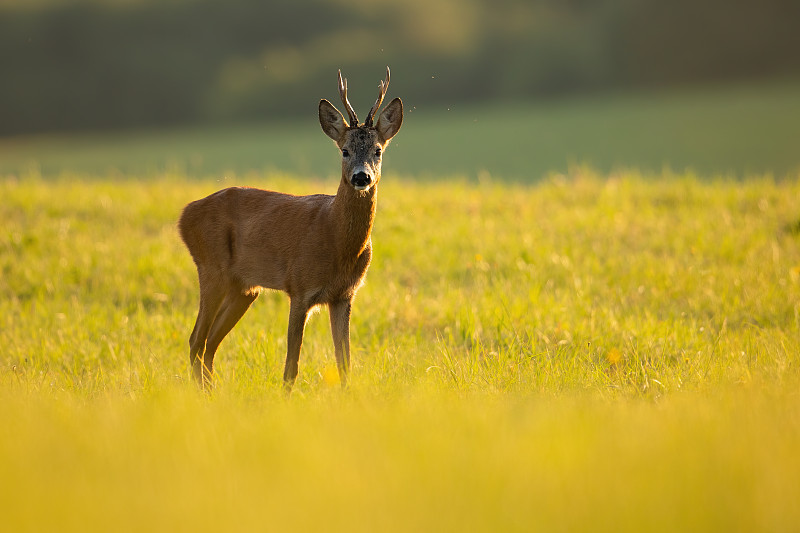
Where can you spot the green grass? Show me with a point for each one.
(587, 353)
(726, 131)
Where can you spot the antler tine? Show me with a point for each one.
(343, 93)
(382, 88)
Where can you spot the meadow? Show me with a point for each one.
(732, 131)
(614, 352)
(593, 350)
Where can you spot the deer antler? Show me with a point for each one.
(343, 93)
(382, 88)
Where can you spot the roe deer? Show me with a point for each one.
(315, 248)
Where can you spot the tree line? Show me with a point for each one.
(93, 65)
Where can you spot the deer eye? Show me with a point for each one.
(345, 153)
(378, 152)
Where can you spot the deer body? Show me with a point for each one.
(315, 248)
(279, 241)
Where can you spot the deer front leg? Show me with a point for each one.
(340, 331)
(298, 314)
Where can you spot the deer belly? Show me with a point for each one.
(255, 277)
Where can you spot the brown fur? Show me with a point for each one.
(315, 248)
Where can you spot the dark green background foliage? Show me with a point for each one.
(80, 65)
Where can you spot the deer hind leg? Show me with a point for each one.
(298, 314)
(233, 308)
(340, 331)
(212, 292)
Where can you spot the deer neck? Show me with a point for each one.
(353, 213)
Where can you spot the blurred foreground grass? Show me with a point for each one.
(605, 353)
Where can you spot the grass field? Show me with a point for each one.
(717, 131)
(591, 352)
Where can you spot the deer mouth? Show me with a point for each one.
(361, 181)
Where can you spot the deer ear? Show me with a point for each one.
(331, 120)
(390, 120)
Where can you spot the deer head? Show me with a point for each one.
(361, 145)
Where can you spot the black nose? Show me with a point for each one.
(361, 179)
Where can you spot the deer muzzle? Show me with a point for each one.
(361, 181)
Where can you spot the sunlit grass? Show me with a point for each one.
(592, 352)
